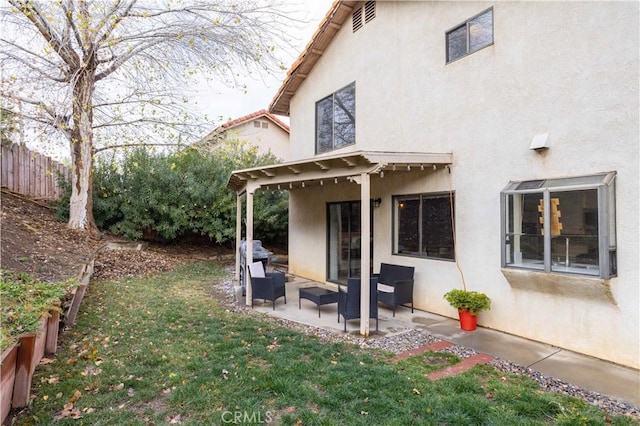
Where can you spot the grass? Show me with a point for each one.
(161, 350)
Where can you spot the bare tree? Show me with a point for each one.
(110, 72)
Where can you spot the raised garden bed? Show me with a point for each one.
(29, 326)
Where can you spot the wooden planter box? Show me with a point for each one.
(8, 367)
(30, 352)
(53, 330)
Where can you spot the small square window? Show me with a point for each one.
(470, 36)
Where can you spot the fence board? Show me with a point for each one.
(30, 173)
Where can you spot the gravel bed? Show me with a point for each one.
(409, 339)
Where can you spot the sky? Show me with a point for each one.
(222, 104)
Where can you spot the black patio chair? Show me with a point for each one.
(395, 285)
(349, 300)
(266, 285)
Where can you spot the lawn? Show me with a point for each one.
(162, 350)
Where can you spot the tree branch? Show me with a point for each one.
(33, 14)
(131, 145)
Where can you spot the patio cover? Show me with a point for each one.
(355, 166)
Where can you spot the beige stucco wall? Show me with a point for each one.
(272, 139)
(567, 68)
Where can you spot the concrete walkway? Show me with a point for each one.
(586, 372)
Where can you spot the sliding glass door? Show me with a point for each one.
(345, 241)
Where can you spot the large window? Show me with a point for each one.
(470, 36)
(561, 225)
(423, 226)
(336, 120)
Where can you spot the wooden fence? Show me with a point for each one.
(30, 173)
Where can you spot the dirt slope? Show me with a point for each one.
(33, 241)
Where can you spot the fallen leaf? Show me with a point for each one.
(76, 396)
(45, 361)
(416, 392)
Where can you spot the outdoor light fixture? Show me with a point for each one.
(381, 173)
(376, 202)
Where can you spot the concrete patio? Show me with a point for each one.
(590, 373)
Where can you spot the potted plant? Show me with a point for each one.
(469, 304)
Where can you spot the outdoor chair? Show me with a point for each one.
(349, 301)
(395, 285)
(266, 286)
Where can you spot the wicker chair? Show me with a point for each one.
(349, 301)
(395, 285)
(266, 286)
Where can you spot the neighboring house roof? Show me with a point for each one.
(328, 28)
(263, 113)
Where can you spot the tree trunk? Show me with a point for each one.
(81, 203)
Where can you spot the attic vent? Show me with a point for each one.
(357, 19)
(256, 124)
(369, 11)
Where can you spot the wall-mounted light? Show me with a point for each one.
(376, 202)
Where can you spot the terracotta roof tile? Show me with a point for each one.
(339, 12)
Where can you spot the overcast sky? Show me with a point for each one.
(222, 104)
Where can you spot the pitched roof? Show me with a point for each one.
(263, 113)
(328, 28)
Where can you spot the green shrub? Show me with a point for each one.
(172, 196)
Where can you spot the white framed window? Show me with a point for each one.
(470, 36)
(564, 225)
(336, 120)
(423, 226)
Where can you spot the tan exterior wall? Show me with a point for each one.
(567, 68)
(271, 139)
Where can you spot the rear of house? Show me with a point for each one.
(493, 145)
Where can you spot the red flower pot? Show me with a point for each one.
(468, 322)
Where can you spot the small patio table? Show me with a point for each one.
(318, 295)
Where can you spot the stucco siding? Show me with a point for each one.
(567, 68)
(272, 139)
